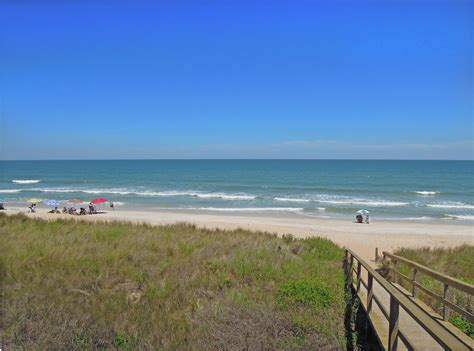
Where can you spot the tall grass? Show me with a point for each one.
(456, 262)
(82, 285)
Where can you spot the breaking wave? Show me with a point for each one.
(26, 181)
(426, 192)
(451, 205)
(462, 217)
(287, 199)
(10, 191)
(149, 193)
(363, 202)
(245, 209)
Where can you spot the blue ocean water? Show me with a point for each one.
(422, 190)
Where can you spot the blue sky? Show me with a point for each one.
(236, 79)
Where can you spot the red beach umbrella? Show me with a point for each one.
(99, 200)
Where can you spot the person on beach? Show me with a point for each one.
(64, 210)
(82, 212)
(112, 206)
(55, 210)
(359, 218)
(32, 208)
(367, 220)
(91, 209)
(2, 208)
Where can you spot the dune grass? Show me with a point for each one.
(456, 262)
(82, 286)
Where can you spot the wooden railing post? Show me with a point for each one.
(393, 324)
(446, 294)
(351, 265)
(359, 270)
(376, 254)
(345, 264)
(370, 292)
(413, 282)
(395, 270)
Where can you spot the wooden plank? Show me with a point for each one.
(456, 283)
(406, 341)
(381, 306)
(375, 322)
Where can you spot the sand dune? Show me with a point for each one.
(363, 238)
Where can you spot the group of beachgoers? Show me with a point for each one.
(71, 210)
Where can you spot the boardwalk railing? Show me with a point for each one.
(448, 283)
(356, 269)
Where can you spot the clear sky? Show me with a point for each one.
(236, 79)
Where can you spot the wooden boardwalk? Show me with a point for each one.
(400, 323)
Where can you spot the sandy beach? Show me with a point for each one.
(362, 238)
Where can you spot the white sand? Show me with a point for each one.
(362, 238)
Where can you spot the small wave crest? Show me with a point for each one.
(288, 199)
(374, 203)
(10, 191)
(452, 205)
(423, 218)
(426, 193)
(203, 195)
(342, 200)
(461, 217)
(26, 181)
(245, 209)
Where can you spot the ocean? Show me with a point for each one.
(410, 190)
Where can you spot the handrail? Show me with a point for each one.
(442, 336)
(445, 279)
(455, 283)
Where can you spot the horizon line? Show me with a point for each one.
(234, 159)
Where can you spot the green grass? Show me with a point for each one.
(90, 286)
(456, 262)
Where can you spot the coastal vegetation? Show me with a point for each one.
(456, 262)
(80, 285)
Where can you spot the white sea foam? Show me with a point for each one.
(246, 209)
(462, 217)
(288, 199)
(426, 192)
(362, 202)
(424, 218)
(53, 190)
(149, 193)
(10, 191)
(451, 205)
(342, 200)
(26, 181)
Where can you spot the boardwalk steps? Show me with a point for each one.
(399, 322)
